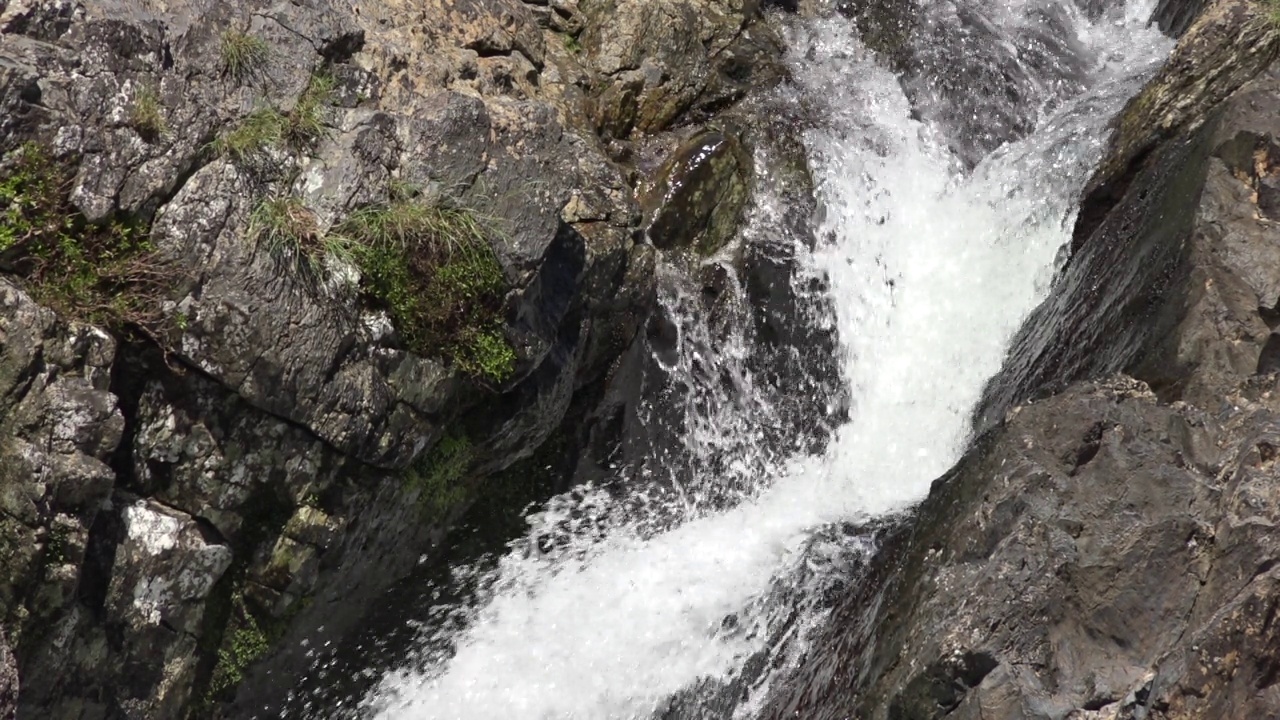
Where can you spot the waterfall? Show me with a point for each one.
(625, 597)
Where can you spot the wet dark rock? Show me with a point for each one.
(1175, 17)
(980, 72)
(1230, 43)
(1163, 273)
(699, 194)
(885, 26)
(1104, 549)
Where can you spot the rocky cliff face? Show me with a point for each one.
(1106, 549)
(285, 282)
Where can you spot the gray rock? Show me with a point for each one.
(190, 513)
(8, 682)
(1105, 551)
(657, 61)
(699, 193)
(1088, 556)
(1169, 256)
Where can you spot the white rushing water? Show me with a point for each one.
(929, 271)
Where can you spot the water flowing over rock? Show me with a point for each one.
(699, 194)
(555, 358)
(1103, 549)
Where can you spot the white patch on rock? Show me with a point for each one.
(378, 325)
(149, 596)
(152, 531)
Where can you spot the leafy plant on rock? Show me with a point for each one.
(106, 273)
(430, 264)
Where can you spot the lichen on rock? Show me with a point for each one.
(361, 233)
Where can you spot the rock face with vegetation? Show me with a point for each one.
(1107, 548)
(284, 283)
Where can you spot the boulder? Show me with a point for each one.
(1102, 554)
(1103, 550)
(699, 194)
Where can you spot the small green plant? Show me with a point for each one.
(439, 477)
(307, 121)
(267, 127)
(259, 130)
(243, 55)
(246, 644)
(146, 115)
(106, 273)
(429, 263)
(572, 44)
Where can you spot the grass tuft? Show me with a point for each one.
(146, 115)
(287, 227)
(243, 55)
(430, 264)
(267, 128)
(307, 121)
(258, 131)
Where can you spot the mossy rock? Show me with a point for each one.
(699, 194)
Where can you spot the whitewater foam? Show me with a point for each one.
(930, 272)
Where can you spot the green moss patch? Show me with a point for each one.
(105, 273)
(245, 644)
(439, 477)
(427, 262)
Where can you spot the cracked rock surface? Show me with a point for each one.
(185, 511)
(1107, 549)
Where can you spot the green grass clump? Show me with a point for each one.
(147, 115)
(267, 127)
(259, 130)
(286, 226)
(307, 121)
(430, 265)
(439, 477)
(106, 273)
(243, 55)
(572, 44)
